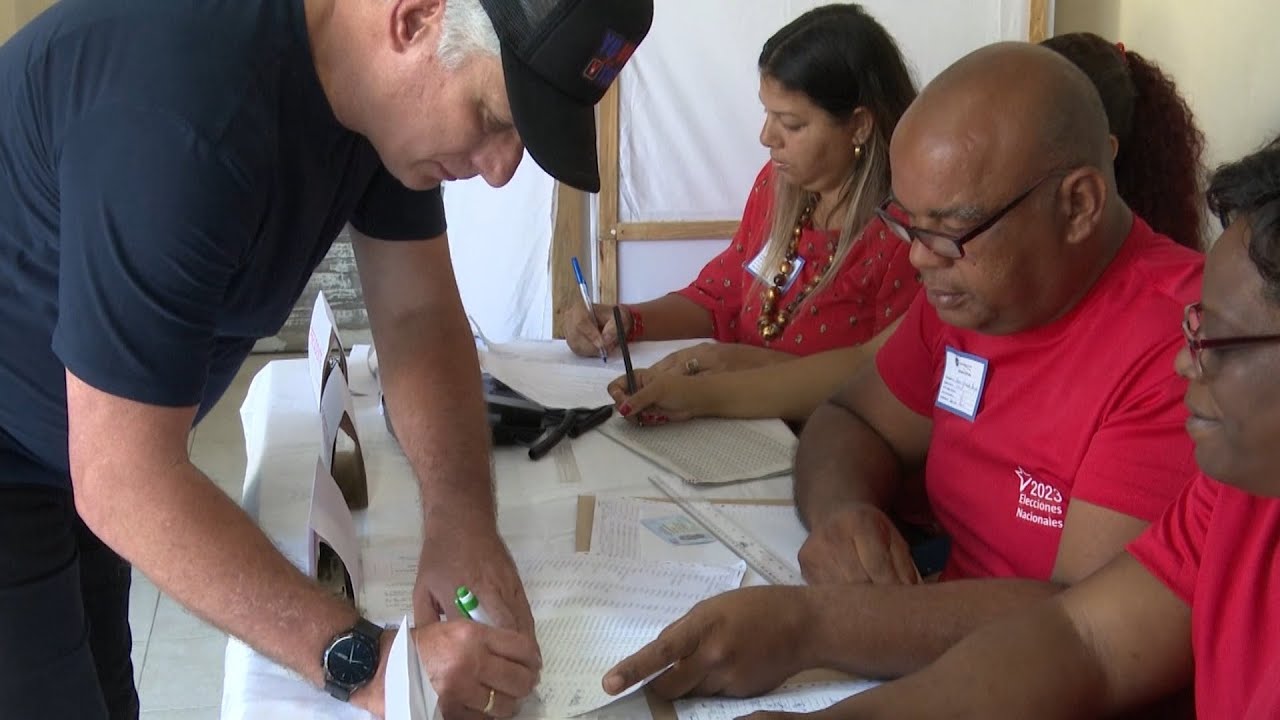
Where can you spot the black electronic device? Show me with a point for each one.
(516, 420)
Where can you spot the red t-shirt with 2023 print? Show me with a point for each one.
(1216, 549)
(871, 289)
(1085, 407)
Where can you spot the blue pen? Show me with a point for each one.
(586, 298)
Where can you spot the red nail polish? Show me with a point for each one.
(625, 410)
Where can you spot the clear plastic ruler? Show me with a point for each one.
(737, 538)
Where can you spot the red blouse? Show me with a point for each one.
(871, 289)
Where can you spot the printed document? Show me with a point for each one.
(710, 451)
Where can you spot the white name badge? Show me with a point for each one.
(962, 382)
(756, 266)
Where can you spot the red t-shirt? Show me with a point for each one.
(1087, 406)
(873, 286)
(1216, 549)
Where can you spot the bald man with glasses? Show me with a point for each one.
(1030, 388)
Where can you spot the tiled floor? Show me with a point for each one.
(177, 658)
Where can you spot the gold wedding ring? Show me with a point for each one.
(692, 366)
(488, 707)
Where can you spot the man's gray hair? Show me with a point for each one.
(467, 30)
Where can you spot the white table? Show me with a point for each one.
(537, 505)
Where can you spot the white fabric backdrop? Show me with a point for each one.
(689, 148)
(500, 240)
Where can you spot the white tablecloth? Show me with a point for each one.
(537, 505)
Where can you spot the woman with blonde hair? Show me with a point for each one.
(810, 268)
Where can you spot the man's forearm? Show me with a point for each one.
(892, 630)
(193, 542)
(431, 380)
(841, 460)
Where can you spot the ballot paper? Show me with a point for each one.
(593, 611)
(710, 451)
(590, 611)
(407, 694)
(798, 698)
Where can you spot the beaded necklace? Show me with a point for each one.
(772, 324)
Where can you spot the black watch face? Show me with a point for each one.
(351, 660)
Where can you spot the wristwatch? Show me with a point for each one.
(351, 659)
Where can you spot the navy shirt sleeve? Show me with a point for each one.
(390, 211)
(154, 224)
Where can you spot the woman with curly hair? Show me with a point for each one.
(1159, 166)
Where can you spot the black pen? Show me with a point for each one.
(626, 354)
(590, 420)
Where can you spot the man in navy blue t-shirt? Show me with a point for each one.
(171, 171)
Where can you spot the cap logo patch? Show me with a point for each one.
(614, 52)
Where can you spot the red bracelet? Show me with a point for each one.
(636, 330)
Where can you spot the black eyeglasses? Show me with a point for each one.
(1195, 344)
(946, 245)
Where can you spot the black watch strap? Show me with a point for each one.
(338, 691)
(371, 632)
(369, 629)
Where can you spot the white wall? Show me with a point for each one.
(1223, 54)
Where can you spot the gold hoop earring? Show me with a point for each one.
(857, 152)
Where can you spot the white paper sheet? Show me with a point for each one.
(553, 384)
(798, 698)
(390, 570)
(710, 451)
(335, 402)
(323, 328)
(407, 693)
(548, 373)
(643, 354)
(362, 370)
(618, 530)
(331, 520)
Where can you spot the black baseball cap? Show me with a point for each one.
(559, 57)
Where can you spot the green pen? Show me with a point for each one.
(469, 606)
